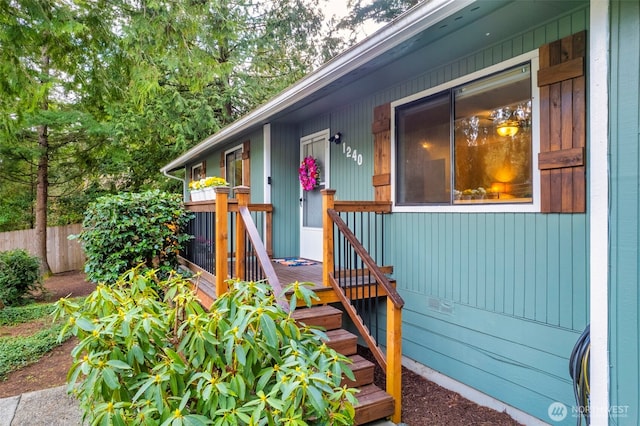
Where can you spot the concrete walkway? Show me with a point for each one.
(48, 407)
(53, 407)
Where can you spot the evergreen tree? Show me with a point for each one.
(97, 96)
(48, 59)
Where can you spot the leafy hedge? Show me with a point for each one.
(147, 360)
(19, 276)
(125, 230)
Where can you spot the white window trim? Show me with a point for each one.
(535, 142)
(266, 132)
(226, 166)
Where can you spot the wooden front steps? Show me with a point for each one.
(373, 402)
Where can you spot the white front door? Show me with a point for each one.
(315, 146)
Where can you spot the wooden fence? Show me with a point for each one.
(62, 254)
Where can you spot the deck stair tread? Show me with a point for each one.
(363, 371)
(373, 404)
(325, 316)
(342, 341)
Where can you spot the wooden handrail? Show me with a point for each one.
(362, 206)
(381, 278)
(357, 320)
(232, 206)
(258, 246)
(263, 258)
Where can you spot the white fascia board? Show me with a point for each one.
(401, 29)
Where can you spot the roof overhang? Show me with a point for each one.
(403, 28)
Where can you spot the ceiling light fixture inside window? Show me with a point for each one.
(508, 128)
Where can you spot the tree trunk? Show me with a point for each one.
(42, 182)
(41, 198)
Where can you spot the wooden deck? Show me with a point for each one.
(286, 274)
(304, 273)
(289, 274)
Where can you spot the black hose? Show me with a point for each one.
(579, 372)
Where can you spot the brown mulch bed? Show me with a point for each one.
(426, 403)
(51, 369)
(423, 402)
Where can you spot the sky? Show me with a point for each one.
(337, 7)
(340, 9)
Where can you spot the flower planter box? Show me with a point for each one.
(203, 189)
(208, 193)
(197, 195)
(204, 194)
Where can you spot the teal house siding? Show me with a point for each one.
(352, 160)
(624, 280)
(494, 299)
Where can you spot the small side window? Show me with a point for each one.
(234, 167)
(198, 171)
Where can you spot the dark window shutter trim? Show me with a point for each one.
(381, 129)
(571, 157)
(561, 72)
(246, 163)
(381, 180)
(562, 125)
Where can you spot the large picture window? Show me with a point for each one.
(468, 144)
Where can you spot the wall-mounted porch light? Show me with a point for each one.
(337, 138)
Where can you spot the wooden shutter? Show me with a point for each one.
(561, 160)
(246, 169)
(381, 129)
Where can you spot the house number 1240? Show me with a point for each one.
(352, 153)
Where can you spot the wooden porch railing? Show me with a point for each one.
(363, 272)
(243, 246)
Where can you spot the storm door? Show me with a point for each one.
(314, 155)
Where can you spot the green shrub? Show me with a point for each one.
(142, 360)
(19, 276)
(125, 230)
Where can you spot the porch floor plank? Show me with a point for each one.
(303, 273)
